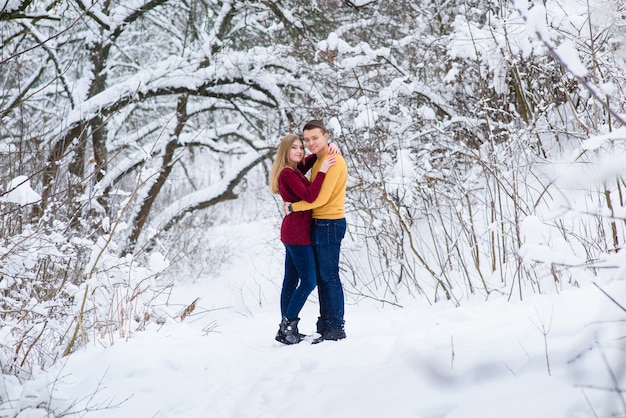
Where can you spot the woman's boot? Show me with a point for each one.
(288, 331)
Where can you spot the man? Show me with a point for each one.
(327, 230)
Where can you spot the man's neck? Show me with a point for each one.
(322, 152)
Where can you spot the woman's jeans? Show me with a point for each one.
(327, 235)
(299, 281)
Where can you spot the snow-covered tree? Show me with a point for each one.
(127, 117)
(483, 138)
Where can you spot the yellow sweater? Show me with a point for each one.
(331, 201)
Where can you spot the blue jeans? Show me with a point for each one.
(299, 281)
(327, 235)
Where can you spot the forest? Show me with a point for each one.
(485, 141)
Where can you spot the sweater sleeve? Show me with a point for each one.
(296, 186)
(306, 164)
(331, 178)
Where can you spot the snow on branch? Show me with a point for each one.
(596, 142)
(19, 191)
(204, 198)
(238, 79)
(117, 19)
(565, 53)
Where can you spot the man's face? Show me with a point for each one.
(316, 141)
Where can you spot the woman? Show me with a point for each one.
(287, 178)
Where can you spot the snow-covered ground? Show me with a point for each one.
(548, 356)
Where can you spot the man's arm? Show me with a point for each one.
(327, 188)
(332, 176)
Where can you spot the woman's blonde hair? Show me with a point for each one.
(282, 159)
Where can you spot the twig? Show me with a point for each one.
(610, 297)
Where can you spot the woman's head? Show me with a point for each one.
(290, 152)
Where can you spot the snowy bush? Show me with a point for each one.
(485, 143)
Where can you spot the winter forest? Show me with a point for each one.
(485, 141)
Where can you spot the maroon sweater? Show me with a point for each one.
(293, 186)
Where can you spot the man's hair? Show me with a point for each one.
(315, 124)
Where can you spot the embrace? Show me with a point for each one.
(311, 231)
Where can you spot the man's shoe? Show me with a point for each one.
(331, 335)
(321, 325)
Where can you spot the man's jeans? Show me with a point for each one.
(327, 235)
(299, 268)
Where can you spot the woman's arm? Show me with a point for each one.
(295, 184)
(331, 179)
(306, 164)
(310, 160)
(291, 182)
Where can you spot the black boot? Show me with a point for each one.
(321, 325)
(288, 331)
(279, 335)
(331, 335)
(335, 333)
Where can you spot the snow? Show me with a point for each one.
(558, 354)
(20, 192)
(595, 142)
(541, 244)
(539, 357)
(567, 53)
(10, 5)
(536, 20)
(361, 3)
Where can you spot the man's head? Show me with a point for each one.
(316, 137)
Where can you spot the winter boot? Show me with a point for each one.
(279, 335)
(288, 331)
(335, 333)
(321, 325)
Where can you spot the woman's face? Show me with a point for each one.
(296, 153)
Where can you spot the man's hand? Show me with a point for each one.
(286, 208)
(333, 149)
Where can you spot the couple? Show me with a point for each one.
(312, 230)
